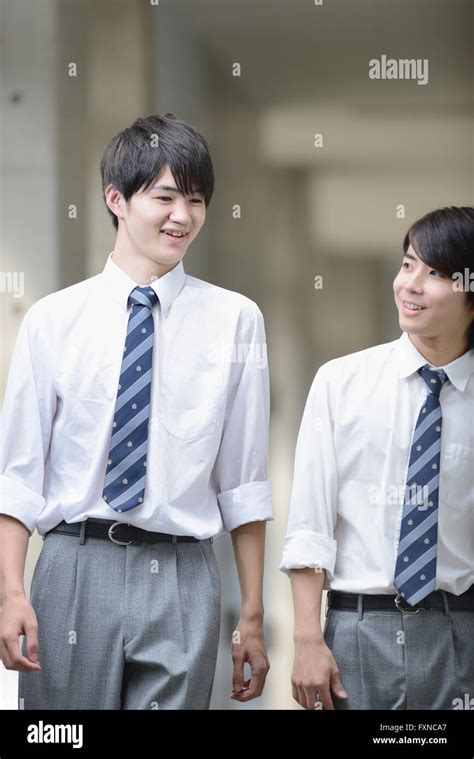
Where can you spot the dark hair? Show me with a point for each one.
(444, 239)
(133, 158)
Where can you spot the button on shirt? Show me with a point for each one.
(351, 466)
(208, 429)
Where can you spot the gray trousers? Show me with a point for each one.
(402, 660)
(123, 627)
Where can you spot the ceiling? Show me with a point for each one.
(292, 50)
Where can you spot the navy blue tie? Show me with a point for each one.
(124, 486)
(415, 571)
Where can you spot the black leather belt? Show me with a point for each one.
(121, 533)
(436, 600)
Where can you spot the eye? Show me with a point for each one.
(405, 263)
(438, 273)
(196, 200)
(163, 197)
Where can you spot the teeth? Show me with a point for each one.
(176, 234)
(413, 307)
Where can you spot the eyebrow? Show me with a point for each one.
(170, 188)
(165, 187)
(409, 255)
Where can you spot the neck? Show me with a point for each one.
(439, 351)
(141, 269)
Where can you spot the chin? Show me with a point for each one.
(166, 258)
(408, 327)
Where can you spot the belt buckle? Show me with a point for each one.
(408, 609)
(114, 540)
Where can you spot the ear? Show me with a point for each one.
(114, 200)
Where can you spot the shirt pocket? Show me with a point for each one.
(190, 403)
(457, 476)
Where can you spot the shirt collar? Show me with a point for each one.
(119, 285)
(410, 360)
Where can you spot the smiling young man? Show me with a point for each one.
(382, 508)
(129, 440)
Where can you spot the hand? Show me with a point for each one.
(18, 617)
(248, 645)
(315, 672)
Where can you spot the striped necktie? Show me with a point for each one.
(415, 570)
(124, 486)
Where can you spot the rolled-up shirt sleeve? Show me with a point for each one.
(27, 413)
(244, 492)
(309, 540)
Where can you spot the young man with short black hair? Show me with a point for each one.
(382, 508)
(129, 440)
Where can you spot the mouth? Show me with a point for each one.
(412, 309)
(174, 235)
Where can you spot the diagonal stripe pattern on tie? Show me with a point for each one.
(125, 477)
(415, 570)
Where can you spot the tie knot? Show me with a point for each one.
(434, 379)
(143, 296)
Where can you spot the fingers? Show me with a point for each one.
(294, 692)
(314, 695)
(308, 695)
(32, 647)
(23, 622)
(238, 673)
(254, 686)
(246, 690)
(336, 684)
(13, 658)
(325, 697)
(239, 690)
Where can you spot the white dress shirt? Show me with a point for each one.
(208, 430)
(351, 467)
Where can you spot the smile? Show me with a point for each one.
(174, 234)
(413, 306)
(411, 310)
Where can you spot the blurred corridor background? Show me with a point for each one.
(328, 166)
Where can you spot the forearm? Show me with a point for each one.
(14, 538)
(249, 549)
(307, 588)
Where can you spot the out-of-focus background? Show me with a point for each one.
(329, 168)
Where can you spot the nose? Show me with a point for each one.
(180, 213)
(414, 281)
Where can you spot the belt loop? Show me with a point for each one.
(360, 607)
(174, 539)
(446, 604)
(82, 534)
